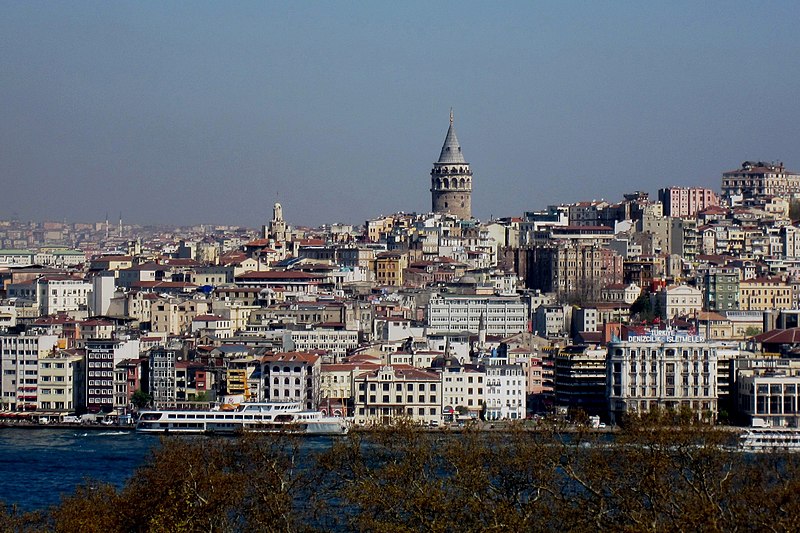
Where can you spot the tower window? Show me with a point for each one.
(445, 205)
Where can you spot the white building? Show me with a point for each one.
(768, 392)
(336, 342)
(463, 391)
(505, 315)
(214, 325)
(19, 361)
(505, 390)
(292, 377)
(662, 369)
(103, 291)
(680, 300)
(16, 257)
(61, 378)
(58, 294)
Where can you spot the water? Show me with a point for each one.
(37, 466)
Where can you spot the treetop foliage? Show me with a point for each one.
(662, 472)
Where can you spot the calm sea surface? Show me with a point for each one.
(38, 465)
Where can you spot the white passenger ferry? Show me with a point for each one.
(770, 439)
(251, 416)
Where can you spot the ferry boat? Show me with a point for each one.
(765, 439)
(246, 417)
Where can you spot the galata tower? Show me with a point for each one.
(451, 179)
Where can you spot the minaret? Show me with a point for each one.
(451, 179)
(482, 331)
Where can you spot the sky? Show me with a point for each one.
(209, 112)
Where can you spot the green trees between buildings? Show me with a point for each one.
(655, 475)
(140, 399)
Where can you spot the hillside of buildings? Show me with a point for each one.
(603, 308)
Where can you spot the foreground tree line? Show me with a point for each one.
(657, 474)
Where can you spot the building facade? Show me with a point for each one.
(579, 376)
(399, 391)
(721, 289)
(19, 361)
(686, 201)
(102, 357)
(504, 315)
(292, 377)
(760, 178)
(663, 369)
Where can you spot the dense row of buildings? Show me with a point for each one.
(687, 302)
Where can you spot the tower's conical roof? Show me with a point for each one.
(451, 149)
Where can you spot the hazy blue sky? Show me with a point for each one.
(188, 112)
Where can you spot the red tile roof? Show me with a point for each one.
(286, 357)
(779, 336)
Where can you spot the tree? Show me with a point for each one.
(752, 331)
(199, 397)
(662, 471)
(141, 399)
(643, 307)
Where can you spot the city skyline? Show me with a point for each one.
(181, 115)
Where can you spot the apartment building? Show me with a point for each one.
(504, 315)
(19, 361)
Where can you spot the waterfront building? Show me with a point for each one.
(61, 379)
(662, 369)
(769, 392)
(392, 392)
(292, 377)
(463, 388)
(19, 361)
(130, 375)
(505, 389)
(579, 376)
(336, 386)
(161, 371)
(102, 357)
